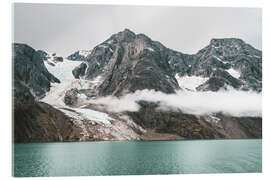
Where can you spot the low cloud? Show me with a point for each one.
(235, 103)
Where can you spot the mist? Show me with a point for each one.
(234, 103)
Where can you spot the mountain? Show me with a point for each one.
(44, 117)
(128, 62)
(232, 62)
(29, 65)
(36, 121)
(80, 55)
(55, 98)
(189, 126)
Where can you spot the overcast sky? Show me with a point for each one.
(66, 28)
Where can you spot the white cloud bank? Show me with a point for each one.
(235, 103)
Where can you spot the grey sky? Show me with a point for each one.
(66, 28)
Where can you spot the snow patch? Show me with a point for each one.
(234, 73)
(218, 58)
(110, 42)
(150, 49)
(190, 82)
(87, 114)
(92, 115)
(111, 50)
(102, 46)
(84, 53)
(63, 70)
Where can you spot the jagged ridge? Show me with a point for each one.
(130, 62)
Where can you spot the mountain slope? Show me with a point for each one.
(189, 126)
(129, 62)
(68, 107)
(35, 121)
(232, 62)
(49, 118)
(30, 67)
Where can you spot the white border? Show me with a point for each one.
(5, 95)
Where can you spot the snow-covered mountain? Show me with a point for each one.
(131, 62)
(127, 63)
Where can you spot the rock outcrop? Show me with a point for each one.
(223, 55)
(79, 55)
(29, 65)
(79, 71)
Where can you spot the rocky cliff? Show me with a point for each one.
(35, 121)
(130, 62)
(29, 65)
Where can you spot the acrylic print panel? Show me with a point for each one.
(133, 90)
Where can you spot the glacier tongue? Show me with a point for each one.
(55, 97)
(63, 71)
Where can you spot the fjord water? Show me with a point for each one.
(137, 157)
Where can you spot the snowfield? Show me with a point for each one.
(63, 71)
(55, 97)
(190, 82)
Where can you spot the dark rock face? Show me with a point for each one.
(216, 59)
(223, 54)
(196, 127)
(35, 121)
(71, 97)
(58, 59)
(79, 71)
(219, 79)
(43, 55)
(131, 62)
(79, 55)
(29, 65)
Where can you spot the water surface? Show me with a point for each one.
(137, 157)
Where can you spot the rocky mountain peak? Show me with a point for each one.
(122, 36)
(130, 62)
(229, 48)
(226, 41)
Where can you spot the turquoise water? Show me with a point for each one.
(137, 157)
